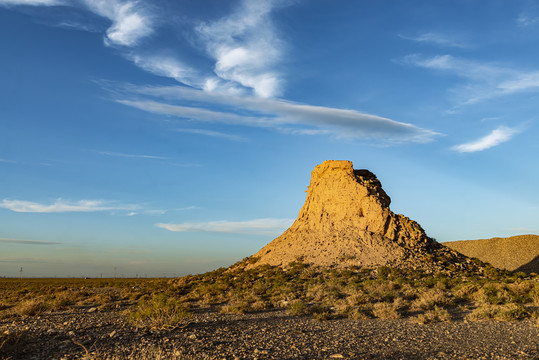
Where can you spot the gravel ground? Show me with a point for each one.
(95, 334)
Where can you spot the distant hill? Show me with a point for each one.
(516, 253)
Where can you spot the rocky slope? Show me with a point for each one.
(346, 221)
(520, 253)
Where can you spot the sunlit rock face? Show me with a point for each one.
(346, 221)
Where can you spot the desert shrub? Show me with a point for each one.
(384, 310)
(437, 314)
(261, 304)
(160, 311)
(512, 311)
(504, 312)
(31, 307)
(236, 307)
(464, 290)
(356, 298)
(383, 272)
(491, 293)
(60, 303)
(298, 308)
(382, 290)
(429, 298)
(320, 312)
(359, 313)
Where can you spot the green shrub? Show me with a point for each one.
(160, 311)
(298, 308)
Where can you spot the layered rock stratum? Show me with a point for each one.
(515, 253)
(346, 220)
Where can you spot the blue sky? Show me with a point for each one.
(172, 137)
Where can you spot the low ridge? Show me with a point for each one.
(346, 221)
(516, 253)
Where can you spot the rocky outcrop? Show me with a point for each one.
(346, 221)
(516, 253)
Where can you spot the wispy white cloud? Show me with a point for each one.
(256, 226)
(131, 22)
(527, 20)
(496, 137)
(31, 2)
(136, 156)
(63, 206)
(194, 113)
(159, 211)
(284, 116)
(484, 80)
(168, 66)
(245, 47)
(246, 50)
(437, 39)
(212, 133)
(28, 242)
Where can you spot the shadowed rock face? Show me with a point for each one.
(346, 220)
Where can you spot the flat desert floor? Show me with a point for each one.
(90, 333)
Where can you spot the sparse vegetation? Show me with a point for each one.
(388, 293)
(160, 311)
(301, 289)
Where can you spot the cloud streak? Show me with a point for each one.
(133, 156)
(265, 226)
(284, 116)
(436, 39)
(496, 137)
(484, 80)
(30, 2)
(29, 242)
(212, 133)
(63, 206)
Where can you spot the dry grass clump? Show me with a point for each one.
(160, 311)
(504, 312)
(436, 314)
(429, 298)
(236, 307)
(31, 307)
(298, 308)
(384, 310)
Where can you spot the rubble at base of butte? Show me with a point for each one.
(346, 221)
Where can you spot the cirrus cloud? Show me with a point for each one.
(496, 137)
(284, 116)
(266, 226)
(63, 206)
